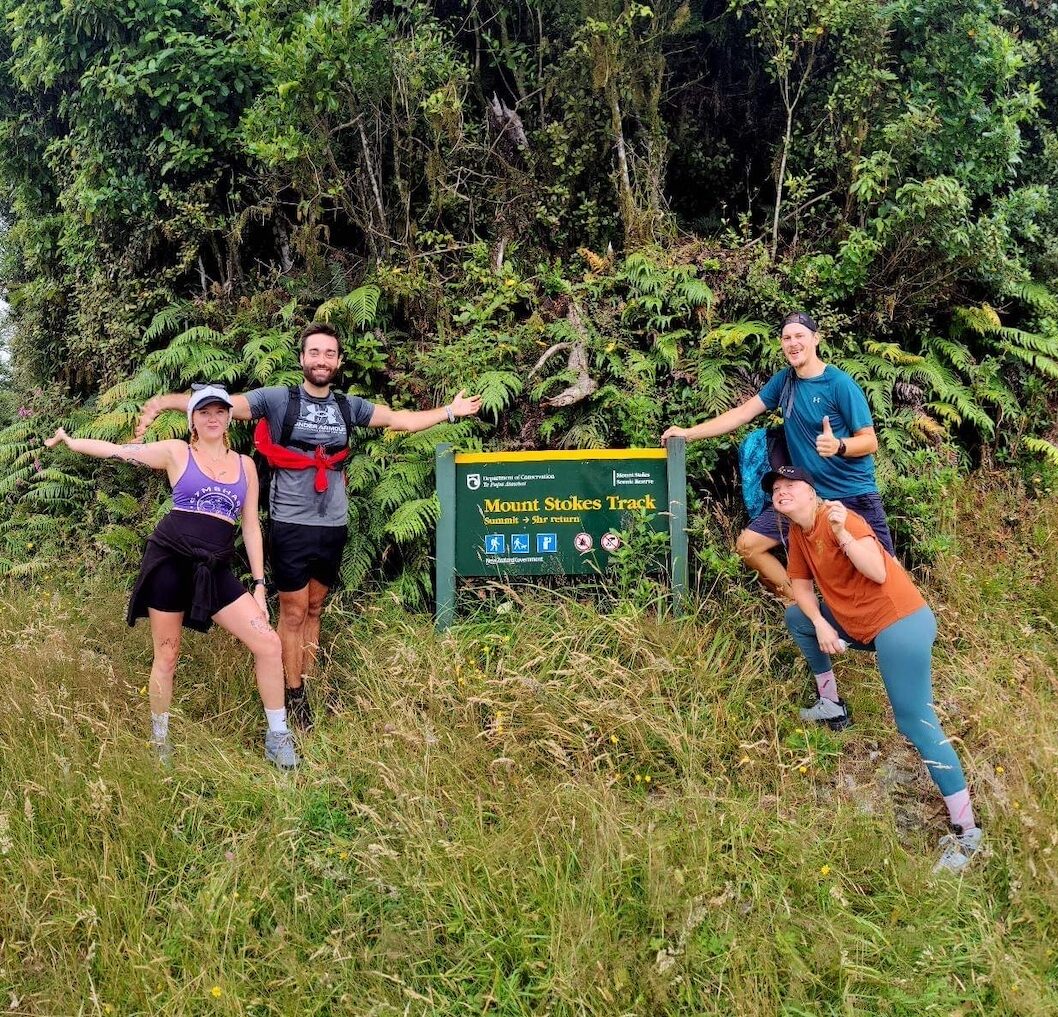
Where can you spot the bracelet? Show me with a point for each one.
(846, 544)
(842, 449)
(451, 416)
(259, 582)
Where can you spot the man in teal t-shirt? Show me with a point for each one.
(830, 435)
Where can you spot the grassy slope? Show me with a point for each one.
(474, 829)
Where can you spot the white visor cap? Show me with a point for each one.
(203, 396)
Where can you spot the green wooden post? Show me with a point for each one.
(445, 559)
(676, 462)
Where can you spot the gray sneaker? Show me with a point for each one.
(836, 716)
(958, 849)
(163, 750)
(279, 749)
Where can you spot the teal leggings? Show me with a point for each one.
(905, 651)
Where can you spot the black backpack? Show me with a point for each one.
(286, 430)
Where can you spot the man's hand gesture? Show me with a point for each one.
(826, 444)
(464, 405)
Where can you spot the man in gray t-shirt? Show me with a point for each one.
(292, 497)
(307, 500)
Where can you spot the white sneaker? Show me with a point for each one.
(958, 849)
(825, 711)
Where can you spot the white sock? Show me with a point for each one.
(827, 685)
(960, 812)
(277, 720)
(160, 725)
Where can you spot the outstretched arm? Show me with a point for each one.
(158, 455)
(178, 401)
(722, 424)
(418, 420)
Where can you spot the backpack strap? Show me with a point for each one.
(786, 395)
(346, 410)
(290, 418)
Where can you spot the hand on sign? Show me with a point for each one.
(674, 432)
(836, 516)
(826, 444)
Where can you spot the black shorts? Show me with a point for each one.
(170, 585)
(867, 505)
(298, 553)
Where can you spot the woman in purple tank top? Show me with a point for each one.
(186, 579)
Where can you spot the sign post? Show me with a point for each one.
(553, 513)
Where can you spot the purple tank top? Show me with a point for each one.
(195, 492)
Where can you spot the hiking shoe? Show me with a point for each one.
(299, 713)
(836, 716)
(279, 749)
(163, 750)
(958, 849)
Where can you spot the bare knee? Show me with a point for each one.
(314, 610)
(750, 545)
(266, 644)
(166, 655)
(292, 613)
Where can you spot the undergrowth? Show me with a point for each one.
(548, 810)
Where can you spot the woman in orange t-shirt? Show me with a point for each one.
(869, 603)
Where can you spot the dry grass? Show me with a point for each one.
(548, 811)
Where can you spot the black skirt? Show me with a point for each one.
(187, 567)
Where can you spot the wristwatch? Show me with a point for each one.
(451, 416)
(841, 448)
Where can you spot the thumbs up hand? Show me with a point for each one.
(826, 444)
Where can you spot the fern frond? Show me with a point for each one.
(735, 333)
(358, 308)
(1042, 447)
(893, 353)
(414, 519)
(167, 320)
(498, 389)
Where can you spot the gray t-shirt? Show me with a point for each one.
(293, 497)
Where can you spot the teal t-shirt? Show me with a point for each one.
(832, 394)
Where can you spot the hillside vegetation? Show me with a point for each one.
(560, 807)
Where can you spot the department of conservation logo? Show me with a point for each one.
(473, 481)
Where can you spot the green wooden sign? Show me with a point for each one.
(553, 513)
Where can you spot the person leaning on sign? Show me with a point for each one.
(304, 435)
(829, 433)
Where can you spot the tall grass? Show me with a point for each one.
(547, 811)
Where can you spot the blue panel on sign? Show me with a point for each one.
(519, 543)
(495, 543)
(546, 543)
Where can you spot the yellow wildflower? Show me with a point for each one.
(216, 992)
(825, 871)
(802, 769)
(1000, 770)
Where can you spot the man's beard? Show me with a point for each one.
(327, 372)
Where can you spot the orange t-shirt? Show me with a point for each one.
(862, 606)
